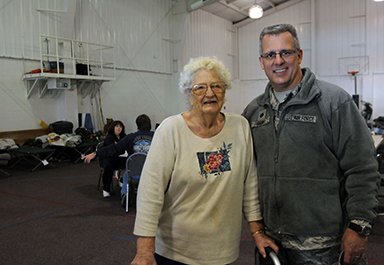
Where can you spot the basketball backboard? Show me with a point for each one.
(358, 64)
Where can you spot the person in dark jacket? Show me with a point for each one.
(318, 177)
(116, 132)
(106, 126)
(139, 141)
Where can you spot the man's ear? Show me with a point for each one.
(300, 55)
(261, 62)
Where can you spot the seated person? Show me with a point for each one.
(134, 142)
(106, 126)
(115, 133)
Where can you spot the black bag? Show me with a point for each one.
(379, 122)
(61, 127)
(84, 133)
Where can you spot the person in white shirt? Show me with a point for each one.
(199, 178)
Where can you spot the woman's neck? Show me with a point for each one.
(204, 126)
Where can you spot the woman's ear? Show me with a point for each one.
(190, 96)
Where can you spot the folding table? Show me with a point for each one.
(39, 155)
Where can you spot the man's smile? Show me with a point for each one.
(281, 70)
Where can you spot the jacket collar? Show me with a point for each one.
(308, 91)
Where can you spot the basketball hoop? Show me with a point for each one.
(353, 73)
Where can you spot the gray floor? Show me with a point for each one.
(57, 216)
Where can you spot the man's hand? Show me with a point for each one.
(88, 158)
(354, 246)
(145, 254)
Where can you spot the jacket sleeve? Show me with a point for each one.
(108, 140)
(115, 149)
(355, 150)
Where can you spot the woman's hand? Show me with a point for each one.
(88, 158)
(144, 259)
(145, 254)
(262, 241)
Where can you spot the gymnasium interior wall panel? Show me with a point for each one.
(138, 29)
(298, 15)
(341, 33)
(209, 35)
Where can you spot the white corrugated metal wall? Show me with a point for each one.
(340, 33)
(142, 32)
(376, 35)
(136, 28)
(298, 15)
(209, 35)
(375, 44)
(342, 29)
(21, 22)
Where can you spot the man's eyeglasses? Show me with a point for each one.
(283, 54)
(217, 88)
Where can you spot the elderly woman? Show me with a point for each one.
(198, 179)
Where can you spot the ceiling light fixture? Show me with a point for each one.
(255, 12)
(378, 0)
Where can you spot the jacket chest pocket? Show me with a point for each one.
(262, 118)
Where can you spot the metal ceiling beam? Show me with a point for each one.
(233, 7)
(268, 12)
(199, 4)
(269, 3)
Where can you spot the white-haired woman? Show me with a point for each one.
(198, 179)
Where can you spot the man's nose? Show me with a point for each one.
(279, 59)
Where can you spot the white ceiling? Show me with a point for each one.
(237, 10)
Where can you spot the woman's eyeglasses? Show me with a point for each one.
(283, 54)
(201, 89)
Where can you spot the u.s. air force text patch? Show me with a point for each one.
(300, 118)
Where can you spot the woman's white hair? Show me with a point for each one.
(197, 64)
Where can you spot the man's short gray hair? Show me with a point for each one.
(276, 30)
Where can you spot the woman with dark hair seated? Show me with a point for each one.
(116, 132)
(139, 141)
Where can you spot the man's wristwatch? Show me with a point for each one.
(363, 228)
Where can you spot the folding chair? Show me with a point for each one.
(270, 255)
(134, 166)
